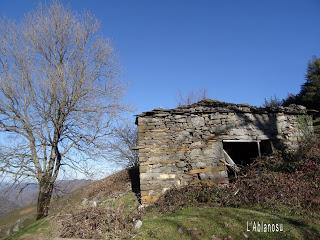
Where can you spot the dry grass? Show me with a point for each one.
(111, 218)
(114, 184)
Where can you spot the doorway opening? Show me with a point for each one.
(240, 153)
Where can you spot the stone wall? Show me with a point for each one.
(181, 146)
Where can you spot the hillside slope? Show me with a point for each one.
(21, 195)
(75, 215)
(273, 190)
(85, 197)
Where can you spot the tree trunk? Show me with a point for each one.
(44, 197)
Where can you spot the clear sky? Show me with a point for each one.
(240, 51)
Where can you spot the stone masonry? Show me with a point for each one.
(181, 146)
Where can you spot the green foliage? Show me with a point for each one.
(316, 125)
(304, 122)
(38, 228)
(309, 94)
(310, 90)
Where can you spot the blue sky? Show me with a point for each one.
(240, 51)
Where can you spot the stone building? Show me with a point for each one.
(209, 140)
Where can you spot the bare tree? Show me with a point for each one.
(124, 144)
(58, 95)
(192, 97)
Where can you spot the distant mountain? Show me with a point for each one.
(23, 194)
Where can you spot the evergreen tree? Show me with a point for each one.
(309, 95)
(310, 91)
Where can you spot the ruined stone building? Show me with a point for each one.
(200, 142)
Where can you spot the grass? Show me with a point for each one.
(37, 230)
(128, 200)
(207, 223)
(200, 223)
(26, 216)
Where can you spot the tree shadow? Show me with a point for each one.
(268, 127)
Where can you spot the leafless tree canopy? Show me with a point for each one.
(58, 94)
(124, 143)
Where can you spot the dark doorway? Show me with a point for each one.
(266, 147)
(242, 153)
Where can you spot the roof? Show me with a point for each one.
(211, 106)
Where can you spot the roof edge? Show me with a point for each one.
(210, 106)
